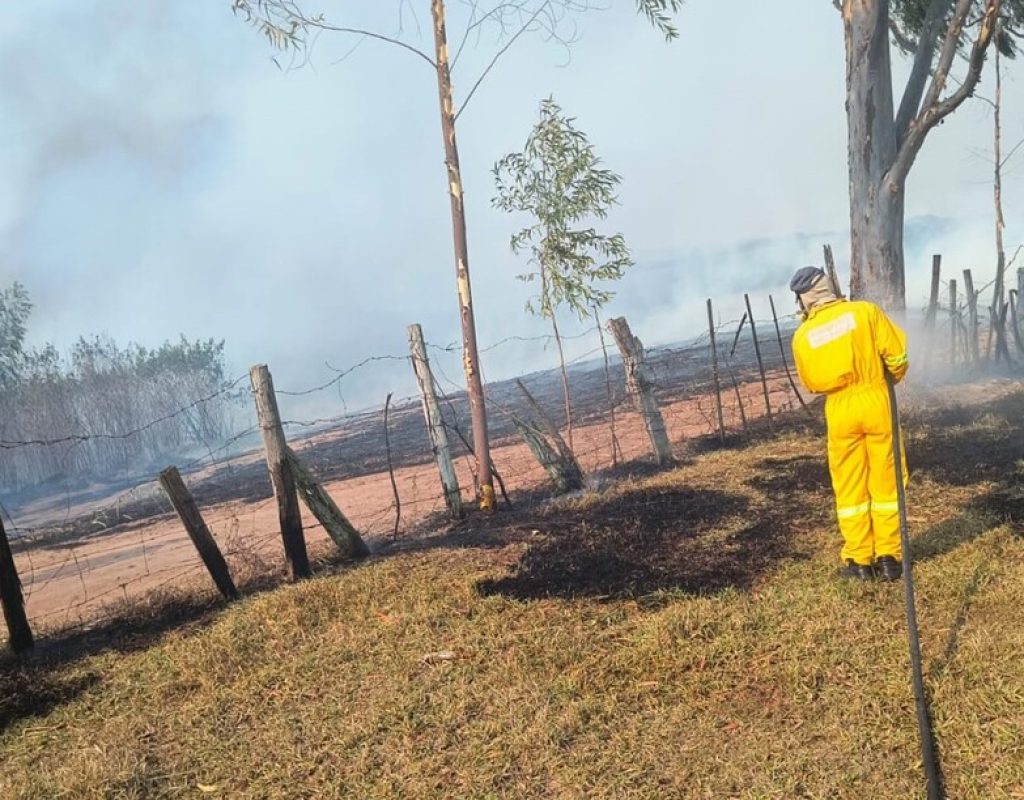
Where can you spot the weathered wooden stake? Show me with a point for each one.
(933, 310)
(830, 270)
(953, 318)
(1018, 335)
(760, 363)
(639, 385)
(933, 296)
(714, 373)
(342, 532)
(280, 475)
(192, 519)
(547, 444)
(20, 634)
(435, 422)
(785, 361)
(972, 316)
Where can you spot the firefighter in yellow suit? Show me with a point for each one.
(841, 350)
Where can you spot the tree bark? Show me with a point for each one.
(876, 209)
(471, 357)
(882, 149)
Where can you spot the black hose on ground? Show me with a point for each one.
(929, 757)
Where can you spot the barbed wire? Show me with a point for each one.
(90, 570)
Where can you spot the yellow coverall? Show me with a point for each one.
(839, 351)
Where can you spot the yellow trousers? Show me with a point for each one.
(863, 471)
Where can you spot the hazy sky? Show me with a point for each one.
(160, 174)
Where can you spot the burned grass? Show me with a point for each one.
(505, 671)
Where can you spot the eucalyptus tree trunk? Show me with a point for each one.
(884, 140)
(471, 358)
(876, 202)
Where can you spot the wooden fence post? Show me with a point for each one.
(12, 599)
(933, 295)
(1018, 335)
(714, 373)
(933, 309)
(547, 444)
(639, 385)
(760, 363)
(435, 422)
(953, 319)
(321, 506)
(1020, 292)
(972, 316)
(280, 475)
(830, 270)
(192, 519)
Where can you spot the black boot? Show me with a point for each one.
(889, 568)
(860, 572)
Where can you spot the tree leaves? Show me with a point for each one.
(559, 180)
(908, 19)
(658, 14)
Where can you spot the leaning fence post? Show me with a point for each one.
(639, 384)
(190, 516)
(760, 362)
(321, 506)
(12, 599)
(785, 361)
(435, 422)
(714, 373)
(547, 444)
(280, 474)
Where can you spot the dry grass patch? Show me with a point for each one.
(533, 669)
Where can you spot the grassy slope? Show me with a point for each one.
(646, 643)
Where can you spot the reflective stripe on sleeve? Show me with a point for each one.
(896, 361)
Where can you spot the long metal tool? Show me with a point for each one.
(929, 757)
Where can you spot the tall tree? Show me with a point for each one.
(558, 180)
(884, 138)
(287, 26)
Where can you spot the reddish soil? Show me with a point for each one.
(74, 580)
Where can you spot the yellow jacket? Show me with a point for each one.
(843, 343)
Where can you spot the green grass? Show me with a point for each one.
(506, 671)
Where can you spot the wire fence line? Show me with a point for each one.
(81, 552)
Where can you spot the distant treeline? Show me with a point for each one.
(101, 398)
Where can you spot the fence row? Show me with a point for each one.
(339, 482)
